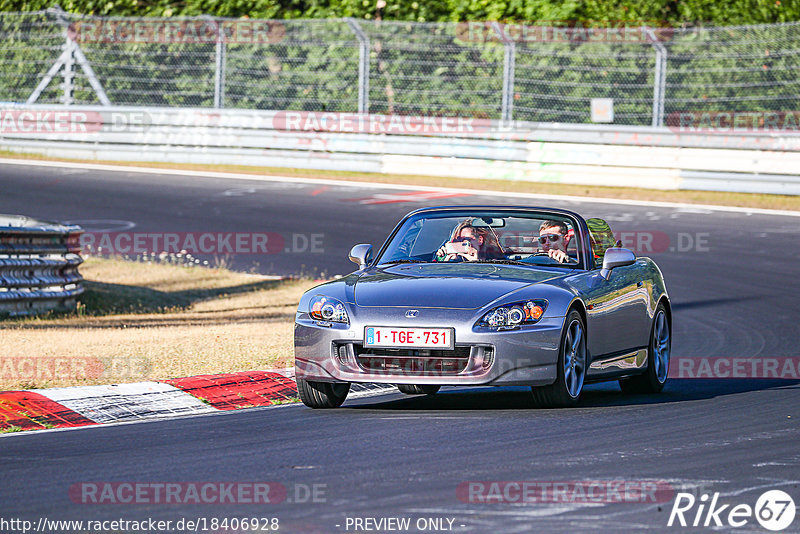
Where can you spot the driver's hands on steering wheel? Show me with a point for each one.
(558, 255)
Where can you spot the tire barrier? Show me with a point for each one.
(38, 266)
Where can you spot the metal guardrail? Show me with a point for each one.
(38, 266)
(658, 158)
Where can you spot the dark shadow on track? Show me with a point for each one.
(594, 396)
(679, 306)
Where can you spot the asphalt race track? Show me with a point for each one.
(733, 280)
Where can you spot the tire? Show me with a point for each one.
(417, 390)
(655, 376)
(322, 394)
(566, 390)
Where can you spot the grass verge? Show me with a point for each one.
(145, 321)
(746, 200)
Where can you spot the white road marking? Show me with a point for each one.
(430, 417)
(103, 225)
(412, 196)
(767, 485)
(238, 191)
(523, 511)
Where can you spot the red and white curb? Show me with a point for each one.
(108, 404)
(92, 405)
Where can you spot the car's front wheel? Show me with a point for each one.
(322, 394)
(655, 376)
(566, 390)
(411, 389)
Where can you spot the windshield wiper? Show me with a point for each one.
(528, 264)
(508, 262)
(402, 261)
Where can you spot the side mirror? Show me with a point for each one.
(616, 257)
(361, 254)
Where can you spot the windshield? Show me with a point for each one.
(534, 238)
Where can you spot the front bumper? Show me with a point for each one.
(335, 353)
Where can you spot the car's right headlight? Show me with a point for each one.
(329, 309)
(527, 312)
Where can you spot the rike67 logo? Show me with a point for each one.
(774, 510)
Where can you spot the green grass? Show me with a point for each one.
(285, 401)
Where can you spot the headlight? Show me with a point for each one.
(527, 312)
(328, 309)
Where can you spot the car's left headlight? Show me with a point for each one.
(329, 309)
(527, 312)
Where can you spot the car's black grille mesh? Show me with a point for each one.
(416, 362)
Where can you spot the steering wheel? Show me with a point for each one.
(570, 259)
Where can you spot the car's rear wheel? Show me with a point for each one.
(322, 394)
(655, 376)
(410, 389)
(566, 390)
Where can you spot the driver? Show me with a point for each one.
(553, 240)
(470, 243)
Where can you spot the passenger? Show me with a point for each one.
(470, 243)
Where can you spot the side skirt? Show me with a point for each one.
(612, 366)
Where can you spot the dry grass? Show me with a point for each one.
(141, 321)
(748, 200)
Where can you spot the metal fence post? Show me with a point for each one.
(659, 78)
(219, 62)
(219, 73)
(509, 74)
(363, 66)
(68, 73)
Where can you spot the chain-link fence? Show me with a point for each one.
(543, 72)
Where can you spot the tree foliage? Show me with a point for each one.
(673, 12)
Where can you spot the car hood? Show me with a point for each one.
(432, 285)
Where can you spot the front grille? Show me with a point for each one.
(417, 362)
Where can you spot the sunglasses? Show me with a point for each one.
(553, 238)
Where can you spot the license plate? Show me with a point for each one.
(425, 338)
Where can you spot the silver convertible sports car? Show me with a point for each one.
(489, 296)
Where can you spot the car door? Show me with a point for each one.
(617, 307)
